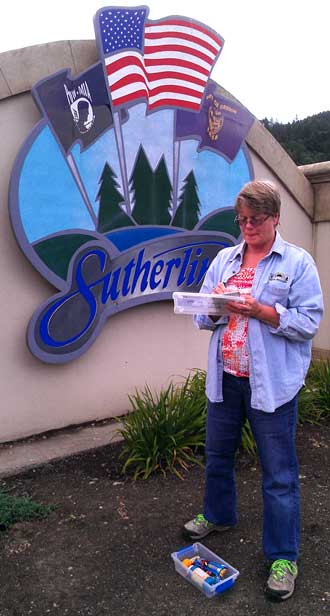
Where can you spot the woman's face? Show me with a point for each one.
(259, 236)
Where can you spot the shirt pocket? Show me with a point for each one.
(276, 291)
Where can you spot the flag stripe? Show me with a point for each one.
(168, 76)
(175, 89)
(182, 49)
(127, 82)
(164, 102)
(124, 60)
(177, 100)
(176, 72)
(169, 102)
(160, 89)
(185, 64)
(163, 77)
(189, 25)
(183, 100)
(179, 57)
(133, 96)
(135, 68)
(127, 86)
(177, 36)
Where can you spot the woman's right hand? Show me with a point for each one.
(219, 289)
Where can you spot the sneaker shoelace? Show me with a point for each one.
(199, 519)
(280, 568)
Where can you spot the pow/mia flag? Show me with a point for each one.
(76, 109)
(221, 125)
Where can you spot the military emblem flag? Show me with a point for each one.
(221, 124)
(165, 62)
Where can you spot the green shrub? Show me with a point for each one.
(165, 432)
(17, 509)
(314, 398)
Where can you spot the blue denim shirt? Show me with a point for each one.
(279, 357)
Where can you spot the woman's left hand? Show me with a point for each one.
(250, 307)
(253, 308)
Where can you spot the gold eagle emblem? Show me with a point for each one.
(215, 118)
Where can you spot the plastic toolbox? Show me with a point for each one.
(198, 549)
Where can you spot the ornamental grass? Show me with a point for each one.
(165, 432)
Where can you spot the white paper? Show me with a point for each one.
(204, 303)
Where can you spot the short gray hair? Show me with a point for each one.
(262, 196)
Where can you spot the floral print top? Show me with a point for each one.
(235, 352)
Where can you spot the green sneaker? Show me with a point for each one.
(200, 527)
(281, 581)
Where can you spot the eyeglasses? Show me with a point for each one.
(255, 221)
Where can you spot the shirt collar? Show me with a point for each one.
(278, 246)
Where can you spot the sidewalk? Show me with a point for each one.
(32, 452)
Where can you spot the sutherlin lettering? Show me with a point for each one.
(138, 276)
(102, 281)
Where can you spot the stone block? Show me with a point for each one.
(84, 54)
(22, 68)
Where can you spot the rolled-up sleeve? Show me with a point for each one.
(300, 319)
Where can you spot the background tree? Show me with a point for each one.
(306, 141)
(187, 213)
(110, 216)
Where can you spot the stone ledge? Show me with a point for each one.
(317, 173)
(20, 69)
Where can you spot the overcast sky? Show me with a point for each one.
(275, 57)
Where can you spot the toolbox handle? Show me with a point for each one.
(183, 550)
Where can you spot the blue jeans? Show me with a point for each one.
(274, 434)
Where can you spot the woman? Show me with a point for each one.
(258, 358)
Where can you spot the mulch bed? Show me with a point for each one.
(106, 547)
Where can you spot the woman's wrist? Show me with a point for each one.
(267, 314)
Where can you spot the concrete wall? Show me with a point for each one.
(145, 345)
(319, 177)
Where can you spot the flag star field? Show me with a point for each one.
(122, 29)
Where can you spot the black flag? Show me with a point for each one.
(76, 109)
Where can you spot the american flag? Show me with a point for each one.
(165, 62)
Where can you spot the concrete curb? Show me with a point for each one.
(20, 456)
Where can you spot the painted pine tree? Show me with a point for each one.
(111, 216)
(152, 191)
(142, 180)
(162, 189)
(188, 210)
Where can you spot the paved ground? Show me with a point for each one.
(106, 548)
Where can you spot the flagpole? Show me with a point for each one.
(122, 159)
(176, 163)
(75, 172)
